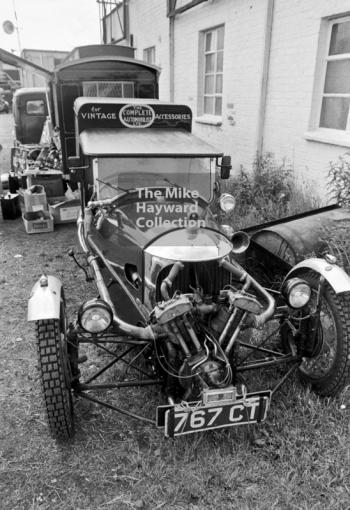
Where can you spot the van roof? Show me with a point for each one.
(30, 90)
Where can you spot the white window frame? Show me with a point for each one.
(316, 132)
(209, 117)
(149, 55)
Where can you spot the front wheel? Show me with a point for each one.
(328, 368)
(55, 376)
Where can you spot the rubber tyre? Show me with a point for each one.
(55, 378)
(335, 307)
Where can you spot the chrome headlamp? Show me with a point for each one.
(95, 316)
(227, 202)
(297, 292)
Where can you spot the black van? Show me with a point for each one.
(30, 111)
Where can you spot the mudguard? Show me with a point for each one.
(44, 301)
(337, 278)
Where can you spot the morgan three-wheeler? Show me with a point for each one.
(172, 301)
(217, 319)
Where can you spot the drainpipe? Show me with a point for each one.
(171, 58)
(265, 75)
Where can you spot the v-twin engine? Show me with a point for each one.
(191, 349)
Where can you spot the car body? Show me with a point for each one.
(178, 298)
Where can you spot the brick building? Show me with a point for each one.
(259, 75)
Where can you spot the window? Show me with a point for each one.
(211, 72)
(35, 107)
(149, 55)
(57, 61)
(335, 105)
(108, 89)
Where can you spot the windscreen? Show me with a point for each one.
(196, 175)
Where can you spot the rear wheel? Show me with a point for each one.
(328, 367)
(55, 376)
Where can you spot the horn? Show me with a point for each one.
(240, 242)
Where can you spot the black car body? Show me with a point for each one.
(179, 300)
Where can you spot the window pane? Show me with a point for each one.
(220, 38)
(110, 89)
(340, 38)
(208, 105)
(35, 107)
(220, 61)
(334, 112)
(218, 105)
(218, 87)
(209, 84)
(208, 41)
(90, 89)
(338, 77)
(128, 90)
(210, 63)
(149, 55)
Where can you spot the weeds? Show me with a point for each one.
(336, 235)
(267, 192)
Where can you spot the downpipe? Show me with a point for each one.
(143, 333)
(243, 276)
(169, 280)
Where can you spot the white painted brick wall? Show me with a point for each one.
(243, 51)
(294, 54)
(150, 27)
(290, 92)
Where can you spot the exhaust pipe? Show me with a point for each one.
(143, 333)
(243, 276)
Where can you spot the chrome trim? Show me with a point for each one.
(337, 278)
(185, 246)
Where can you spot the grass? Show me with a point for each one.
(297, 459)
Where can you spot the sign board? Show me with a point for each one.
(109, 115)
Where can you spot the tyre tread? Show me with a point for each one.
(333, 383)
(56, 394)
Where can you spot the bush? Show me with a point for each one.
(268, 192)
(337, 237)
(339, 180)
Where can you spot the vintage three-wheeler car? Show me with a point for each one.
(218, 319)
(181, 299)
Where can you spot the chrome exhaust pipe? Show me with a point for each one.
(143, 333)
(243, 276)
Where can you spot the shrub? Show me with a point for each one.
(268, 192)
(339, 180)
(337, 237)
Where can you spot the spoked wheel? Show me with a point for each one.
(328, 367)
(56, 378)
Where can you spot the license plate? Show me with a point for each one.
(195, 417)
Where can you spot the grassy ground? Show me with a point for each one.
(298, 459)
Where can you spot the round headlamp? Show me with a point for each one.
(95, 316)
(297, 292)
(227, 202)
